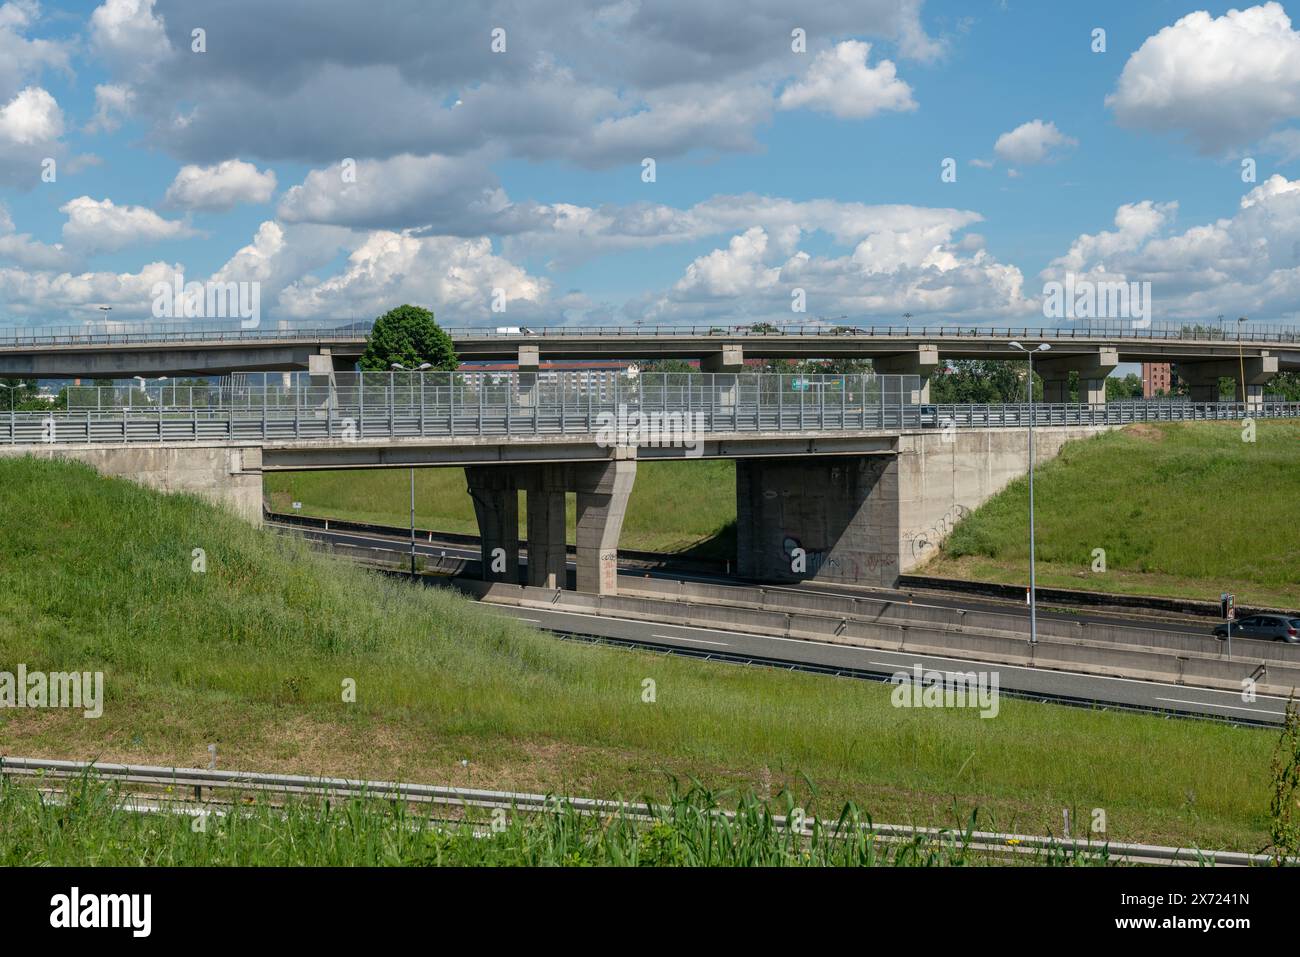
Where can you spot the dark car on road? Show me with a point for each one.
(1266, 627)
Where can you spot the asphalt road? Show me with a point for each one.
(1160, 622)
(1060, 686)
(1039, 683)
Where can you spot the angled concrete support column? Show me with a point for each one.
(603, 491)
(825, 519)
(1092, 367)
(545, 487)
(496, 505)
(923, 362)
(1202, 378)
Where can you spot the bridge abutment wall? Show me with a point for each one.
(866, 519)
(229, 476)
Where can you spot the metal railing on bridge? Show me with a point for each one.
(282, 407)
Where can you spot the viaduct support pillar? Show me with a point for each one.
(496, 505)
(923, 362)
(1093, 368)
(1202, 378)
(529, 362)
(725, 365)
(826, 519)
(545, 487)
(603, 490)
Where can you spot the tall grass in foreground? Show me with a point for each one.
(88, 826)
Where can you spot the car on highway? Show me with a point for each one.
(1265, 627)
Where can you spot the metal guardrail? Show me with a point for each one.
(354, 424)
(146, 776)
(129, 333)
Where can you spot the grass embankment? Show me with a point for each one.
(687, 507)
(1180, 510)
(253, 654)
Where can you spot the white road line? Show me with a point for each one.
(1217, 705)
(694, 641)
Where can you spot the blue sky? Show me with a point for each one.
(515, 176)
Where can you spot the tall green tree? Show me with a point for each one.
(408, 335)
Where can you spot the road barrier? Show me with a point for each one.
(1098, 656)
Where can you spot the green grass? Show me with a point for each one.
(1180, 510)
(687, 507)
(253, 654)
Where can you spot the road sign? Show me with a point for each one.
(1227, 606)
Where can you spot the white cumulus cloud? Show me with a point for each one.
(1222, 82)
(102, 226)
(221, 186)
(1031, 143)
(840, 82)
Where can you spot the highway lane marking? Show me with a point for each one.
(918, 656)
(694, 641)
(1217, 705)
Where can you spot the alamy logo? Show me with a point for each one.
(946, 689)
(179, 299)
(656, 430)
(1089, 299)
(134, 911)
(58, 689)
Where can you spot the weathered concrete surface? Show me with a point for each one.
(814, 518)
(867, 519)
(602, 488)
(228, 475)
(943, 477)
(496, 506)
(603, 493)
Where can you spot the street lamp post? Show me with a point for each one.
(1241, 357)
(422, 367)
(1033, 589)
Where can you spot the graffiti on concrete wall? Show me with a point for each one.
(920, 541)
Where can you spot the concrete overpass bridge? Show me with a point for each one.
(838, 478)
(1202, 353)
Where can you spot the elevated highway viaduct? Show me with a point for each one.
(1201, 354)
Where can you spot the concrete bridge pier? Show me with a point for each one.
(528, 364)
(825, 519)
(727, 363)
(603, 491)
(1093, 368)
(924, 362)
(1202, 378)
(545, 488)
(496, 506)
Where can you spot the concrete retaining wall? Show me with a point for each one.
(945, 475)
(230, 476)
